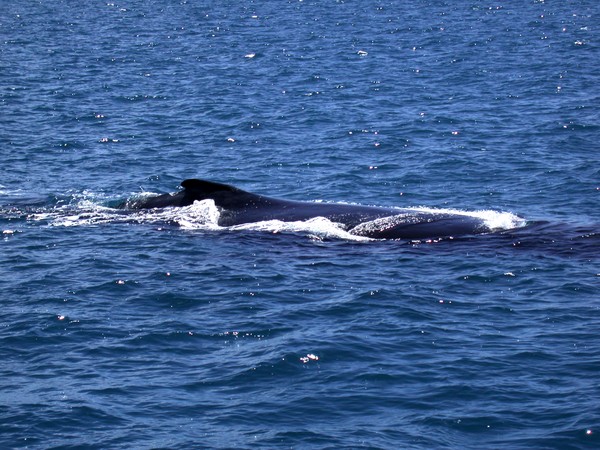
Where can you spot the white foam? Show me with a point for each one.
(199, 215)
(494, 220)
(498, 220)
(318, 227)
(14, 192)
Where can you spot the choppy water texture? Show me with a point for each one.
(161, 330)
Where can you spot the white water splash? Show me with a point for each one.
(494, 220)
(318, 228)
(199, 215)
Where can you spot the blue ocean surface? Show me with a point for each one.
(161, 329)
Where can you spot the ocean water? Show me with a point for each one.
(160, 329)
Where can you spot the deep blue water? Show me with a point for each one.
(161, 330)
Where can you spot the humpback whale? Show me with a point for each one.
(237, 206)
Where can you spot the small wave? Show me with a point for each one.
(318, 227)
(201, 215)
(88, 211)
(493, 220)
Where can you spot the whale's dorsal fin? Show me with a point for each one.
(207, 187)
(222, 194)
